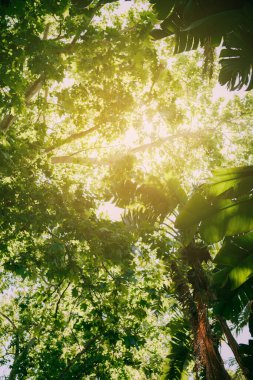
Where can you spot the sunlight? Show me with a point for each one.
(222, 92)
(68, 82)
(130, 137)
(109, 211)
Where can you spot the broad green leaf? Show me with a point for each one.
(241, 273)
(196, 208)
(220, 277)
(216, 24)
(234, 250)
(233, 218)
(232, 187)
(235, 172)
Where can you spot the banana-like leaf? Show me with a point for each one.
(235, 182)
(231, 303)
(236, 258)
(234, 218)
(234, 250)
(241, 273)
(222, 207)
(196, 209)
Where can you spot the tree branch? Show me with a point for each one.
(17, 362)
(85, 160)
(35, 87)
(78, 356)
(59, 300)
(234, 346)
(9, 320)
(72, 137)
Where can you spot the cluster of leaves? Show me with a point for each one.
(205, 24)
(95, 300)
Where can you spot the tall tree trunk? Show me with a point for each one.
(207, 355)
(206, 348)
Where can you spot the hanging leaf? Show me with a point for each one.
(197, 208)
(241, 273)
(237, 58)
(216, 24)
(229, 219)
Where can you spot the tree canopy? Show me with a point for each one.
(126, 189)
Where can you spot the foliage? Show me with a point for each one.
(206, 24)
(93, 112)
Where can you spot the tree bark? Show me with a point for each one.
(207, 355)
(15, 367)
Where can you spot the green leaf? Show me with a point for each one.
(197, 208)
(162, 7)
(216, 24)
(234, 250)
(230, 219)
(241, 273)
(219, 278)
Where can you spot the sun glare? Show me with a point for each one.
(110, 211)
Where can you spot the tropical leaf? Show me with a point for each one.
(198, 207)
(230, 218)
(234, 182)
(236, 260)
(178, 357)
(163, 8)
(193, 23)
(236, 60)
(241, 273)
(215, 24)
(231, 304)
(222, 207)
(234, 249)
(139, 217)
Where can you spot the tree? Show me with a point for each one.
(92, 297)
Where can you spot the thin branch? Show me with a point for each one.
(9, 320)
(234, 346)
(59, 300)
(77, 357)
(35, 87)
(72, 137)
(84, 160)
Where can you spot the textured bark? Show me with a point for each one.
(207, 355)
(206, 349)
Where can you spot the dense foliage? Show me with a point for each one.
(119, 260)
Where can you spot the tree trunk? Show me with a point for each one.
(204, 344)
(207, 355)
